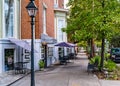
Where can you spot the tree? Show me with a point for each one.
(80, 14)
(107, 25)
(115, 40)
(93, 19)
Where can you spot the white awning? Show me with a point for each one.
(48, 39)
(21, 43)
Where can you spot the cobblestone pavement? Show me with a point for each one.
(72, 74)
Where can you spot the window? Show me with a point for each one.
(44, 20)
(61, 52)
(55, 3)
(59, 31)
(42, 52)
(26, 56)
(9, 20)
(50, 51)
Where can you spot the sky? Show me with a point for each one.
(66, 1)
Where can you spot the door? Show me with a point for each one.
(9, 59)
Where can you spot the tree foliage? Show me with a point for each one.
(115, 40)
(93, 19)
(89, 19)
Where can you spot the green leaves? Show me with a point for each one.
(89, 19)
(115, 40)
(41, 64)
(110, 65)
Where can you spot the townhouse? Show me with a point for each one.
(44, 30)
(60, 22)
(49, 21)
(15, 30)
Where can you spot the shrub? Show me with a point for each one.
(110, 65)
(96, 61)
(41, 64)
(107, 56)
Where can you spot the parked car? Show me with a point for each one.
(115, 54)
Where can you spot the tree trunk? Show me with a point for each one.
(93, 47)
(88, 48)
(92, 51)
(103, 39)
(102, 53)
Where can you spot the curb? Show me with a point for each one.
(18, 79)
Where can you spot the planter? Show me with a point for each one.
(41, 65)
(41, 69)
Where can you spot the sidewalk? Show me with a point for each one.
(109, 83)
(7, 78)
(72, 74)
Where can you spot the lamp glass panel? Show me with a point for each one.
(31, 12)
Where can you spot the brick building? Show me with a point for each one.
(49, 21)
(43, 20)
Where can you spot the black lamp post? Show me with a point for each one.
(32, 10)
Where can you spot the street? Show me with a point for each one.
(59, 42)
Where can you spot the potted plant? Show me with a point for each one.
(41, 64)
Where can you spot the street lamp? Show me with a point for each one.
(32, 10)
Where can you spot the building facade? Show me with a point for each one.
(44, 20)
(49, 21)
(15, 23)
(60, 19)
(9, 28)
(43, 32)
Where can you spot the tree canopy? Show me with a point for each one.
(93, 18)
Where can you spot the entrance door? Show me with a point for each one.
(9, 59)
(61, 52)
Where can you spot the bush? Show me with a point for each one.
(41, 64)
(110, 65)
(107, 56)
(96, 61)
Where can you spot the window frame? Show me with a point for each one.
(11, 23)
